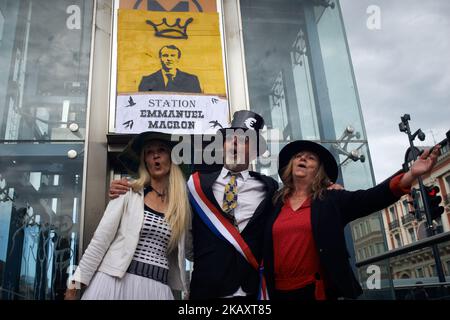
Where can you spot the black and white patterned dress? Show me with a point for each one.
(146, 277)
(150, 257)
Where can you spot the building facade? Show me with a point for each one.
(286, 60)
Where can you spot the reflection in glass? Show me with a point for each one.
(278, 110)
(270, 32)
(338, 71)
(44, 58)
(410, 271)
(304, 91)
(39, 219)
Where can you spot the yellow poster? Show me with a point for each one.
(169, 52)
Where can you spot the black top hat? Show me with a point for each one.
(325, 156)
(248, 120)
(130, 157)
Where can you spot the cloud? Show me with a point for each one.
(402, 68)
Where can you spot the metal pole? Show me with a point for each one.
(430, 228)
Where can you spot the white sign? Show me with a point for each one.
(177, 114)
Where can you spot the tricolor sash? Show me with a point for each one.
(223, 229)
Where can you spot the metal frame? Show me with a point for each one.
(95, 163)
(428, 242)
(238, 97)
(86, 141)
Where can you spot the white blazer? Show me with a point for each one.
(114, 242)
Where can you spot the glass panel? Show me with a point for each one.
(356, 174)
(279, 80)
(44, 58)
(304, 88)
(376, 281)
(444, 250)
(417, 268)
(338, 70)
(39, 218)
(300, 79)
(372, 241)
(412, 274)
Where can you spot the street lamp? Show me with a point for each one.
(431, 229)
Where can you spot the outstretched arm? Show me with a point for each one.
(357, 204)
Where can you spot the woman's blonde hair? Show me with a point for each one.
(319, 185)
(178, 209)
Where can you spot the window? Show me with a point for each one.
(369, 229)
(405, 207)
(380, 248)
(372, 251)
(363, 229)
(398, 240)
(433, 271)
(392, 214)
(447, 189)
(447, 180)
(44, 61)
(358, 234)
(45, 70)
(419, 273)
(412, 234)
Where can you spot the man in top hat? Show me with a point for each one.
(230, 207)
(244, 198)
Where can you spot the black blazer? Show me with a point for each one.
(183, 82)
(328, 219)
(219, 270)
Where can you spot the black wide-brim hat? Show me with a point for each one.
(247, 120)
(325, 156)
(130, 157)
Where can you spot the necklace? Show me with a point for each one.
(162, 195)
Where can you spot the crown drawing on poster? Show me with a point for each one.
(172, 31)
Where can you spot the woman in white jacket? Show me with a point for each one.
(137, 251)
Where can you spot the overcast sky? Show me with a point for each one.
(403, 67)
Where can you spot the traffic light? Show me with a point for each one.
(434, 200)
(417, 212)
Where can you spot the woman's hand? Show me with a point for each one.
(335, 186)
(73, 290)
(424, 164)
(118, 187)
(71, 294)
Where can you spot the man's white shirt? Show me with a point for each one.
(250, 194)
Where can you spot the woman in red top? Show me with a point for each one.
(305, 256)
